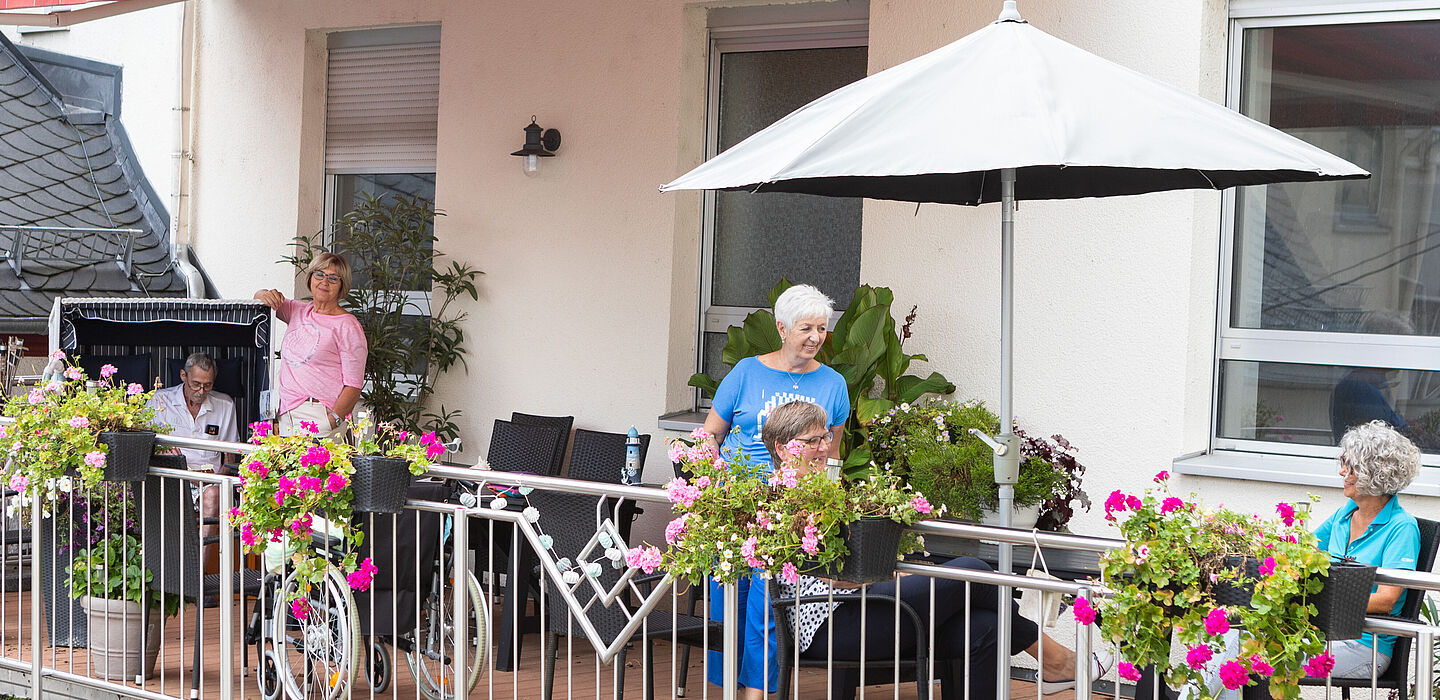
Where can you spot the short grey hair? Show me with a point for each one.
(802, 301)
(200, 359)
(1384, 461)
(786, 422)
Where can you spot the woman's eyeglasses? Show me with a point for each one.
(818, 440)
(318, 275)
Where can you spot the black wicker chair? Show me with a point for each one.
(845, 675)
(570, 520)
(563, 423)
(524, 448)
(171, 532)
(600, 456)
(1396, 676)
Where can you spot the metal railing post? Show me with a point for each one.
(731, 647)
(1425, 665)
(36, 587)
(227, 583)
(459, 584)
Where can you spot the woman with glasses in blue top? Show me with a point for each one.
(746, 396)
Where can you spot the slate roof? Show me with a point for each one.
(63, 165)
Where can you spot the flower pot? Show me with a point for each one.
(1022, 517)
(1339, 606)
(873, 544)
(129, 455)
(379, 484)
(115, 637)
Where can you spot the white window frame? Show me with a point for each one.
(733, 36)
(1273, 461)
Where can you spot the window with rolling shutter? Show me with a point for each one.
(382, 100)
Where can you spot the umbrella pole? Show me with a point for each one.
(1007, 453)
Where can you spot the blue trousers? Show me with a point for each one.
(757, 663)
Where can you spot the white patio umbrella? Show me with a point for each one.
(1005, 114)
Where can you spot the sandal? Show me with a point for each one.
(1100, 664)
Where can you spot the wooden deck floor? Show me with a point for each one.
(585, 679)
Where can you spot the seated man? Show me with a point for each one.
(193, 409)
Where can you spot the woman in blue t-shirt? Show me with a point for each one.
(746, 396)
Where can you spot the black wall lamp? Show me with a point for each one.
(539, 143)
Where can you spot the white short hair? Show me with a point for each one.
(802, 301)
(1384, 461)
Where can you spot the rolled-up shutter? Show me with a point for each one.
(382, 100)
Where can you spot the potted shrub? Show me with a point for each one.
(286, 483)
(735, 518)
(385, 460)
(930, 444)
(1167, 577)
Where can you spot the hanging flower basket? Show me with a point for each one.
(380, 483)
(1339, 606)
(872, 544)
(128, 458)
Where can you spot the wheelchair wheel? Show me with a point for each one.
(267, 670)
(317, 643)
(378, 669)
(431, 658)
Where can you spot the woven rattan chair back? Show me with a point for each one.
(523, 448)
(600, 456)
(563, 423)
(171, 535)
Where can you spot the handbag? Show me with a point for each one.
(1042, 607)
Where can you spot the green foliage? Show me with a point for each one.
(864, 347)
(388, 440)
(1164, 577)
(931, 445)
(1430, 613)
(113, 569)
(389, 242)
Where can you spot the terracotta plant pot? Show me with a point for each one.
(115, 637)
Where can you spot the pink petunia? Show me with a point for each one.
(921, 505)
(1084, 611)
(1233, 674)
(1267, 567)
(108, 371)
(1217, 622)
(1198, 656)
(1128, 671)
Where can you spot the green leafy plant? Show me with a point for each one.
(53, 435)
(283, 483)
(865, 347)
(930, 444)
(1163, 580)
(1430, 614)
(737, 517)
(388, 440)
(404, 298)
(113, 569)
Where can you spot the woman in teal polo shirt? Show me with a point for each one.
(1376, 463)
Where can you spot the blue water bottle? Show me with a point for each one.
(631, 474)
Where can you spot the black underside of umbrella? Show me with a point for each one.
(1036, 182)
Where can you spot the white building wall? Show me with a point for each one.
(588, 304)
(146, 44)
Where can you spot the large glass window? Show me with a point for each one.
(1334, 288)
(758, 76)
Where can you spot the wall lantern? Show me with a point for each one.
(539, 143)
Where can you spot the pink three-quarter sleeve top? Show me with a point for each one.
(320, 355)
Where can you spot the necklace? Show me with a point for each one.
(794, 380)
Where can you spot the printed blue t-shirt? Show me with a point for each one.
(748, 394)
(1392, 541)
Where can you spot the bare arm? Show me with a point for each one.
(836, 433)
(345, 403)
(1383, 600)
(717, 428)
(271, 298)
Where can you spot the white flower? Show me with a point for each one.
(725, 566)
(728, 553)
(531, 514)
(499, 503)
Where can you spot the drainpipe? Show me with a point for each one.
(194, 281)
(184, 235)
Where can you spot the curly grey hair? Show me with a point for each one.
(1383, 460)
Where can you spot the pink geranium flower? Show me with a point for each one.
(1171, 504)
(789, 573)
(1198, 656)
(73, 373)
(1320, 666)
(1287, 513)
(1217, 622)
(95, 458)
(1128, 671)
(79, 422)
(108, 371)
(132, 389)
(1259, 667)
(336, 482)
(1084, 611)
(1267, 567)
(921, 505)
(1233, 674)
(1161, 476)
(361, 578)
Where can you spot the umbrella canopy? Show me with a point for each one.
(941, 127)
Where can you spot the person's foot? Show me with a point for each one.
(1100, 663)
(211, 601)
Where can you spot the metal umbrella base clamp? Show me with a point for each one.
(1010, 113)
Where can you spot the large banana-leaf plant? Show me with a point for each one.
(864, 346)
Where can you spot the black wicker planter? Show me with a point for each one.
(379, 484)
(873, 544)
(1339, 606)
(129, 455)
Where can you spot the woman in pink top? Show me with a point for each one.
(322, 357)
